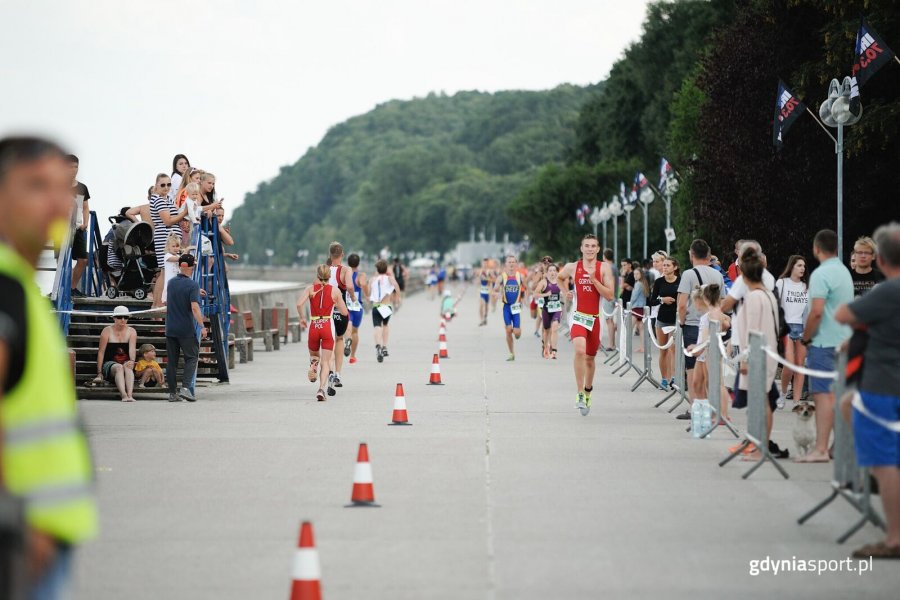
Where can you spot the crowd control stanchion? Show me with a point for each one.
(647, 373)
(623, 343)
(757, 397)
(849, 482)
(614, 355)
(714, 360)
(628, 364)
(678, 386)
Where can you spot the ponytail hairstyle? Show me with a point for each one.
(323, 273)
(710, 293)
(751, 265)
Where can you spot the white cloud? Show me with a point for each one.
(245, 87)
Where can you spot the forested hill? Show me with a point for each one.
(415, 175)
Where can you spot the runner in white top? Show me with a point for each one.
(342, 279)
(381, 290)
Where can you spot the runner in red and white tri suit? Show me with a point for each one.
(325, 301)
(593, 279)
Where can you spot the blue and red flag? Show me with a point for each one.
(664, 169)
(870, 53)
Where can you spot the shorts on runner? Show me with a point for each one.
(321, 335)
(355, 318)
(592, 337)
(485, 298)
(549, 318)
(378, 320)
(509, 319)
(340, 324)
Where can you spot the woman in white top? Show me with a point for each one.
(180, 166)
(381, 290)
(758, 313)
(793, 295)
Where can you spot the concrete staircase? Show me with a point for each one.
(84, 339)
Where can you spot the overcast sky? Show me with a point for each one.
(243, 87)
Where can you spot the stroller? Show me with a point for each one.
(132, 243)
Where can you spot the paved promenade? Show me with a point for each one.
(500, 489)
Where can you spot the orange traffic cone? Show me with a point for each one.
(399, 417)
(442, 348)
(307, 571)
(435, 378)
(363, 492)
(442, 331)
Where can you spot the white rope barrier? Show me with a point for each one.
(798, 369)
(609, 315)
(656, 343)
(697, 349)
(89, 313)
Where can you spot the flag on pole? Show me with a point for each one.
(871, 53)
(632, 198)
(787, 109)
(664, 169)
(640, 181)
(582, 213)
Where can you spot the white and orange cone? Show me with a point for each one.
(435, 378)
(363, 491)
(442, 347)
(307, 571)
(399, 417)
(442, 331)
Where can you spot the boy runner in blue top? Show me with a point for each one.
(486, 280)
(354, 308)
(511, 290)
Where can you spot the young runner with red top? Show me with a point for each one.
(324, 301)
(593, 280)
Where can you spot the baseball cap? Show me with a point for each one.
(186, 259)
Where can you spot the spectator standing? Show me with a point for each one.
(829, 287)
(37, 393)
(401, 273)
(664, 297)
(734, 269)
(877, 446)
(609, 306)
(865, 276)
(688, 315)
(165, 218)
(180, 166)
(792, 292)
(627, 280)
(182, 312)
(82, 219)
(639, 297)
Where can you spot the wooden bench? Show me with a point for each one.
(269, 336)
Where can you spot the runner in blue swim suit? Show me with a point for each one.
(486, 279)
(511, 290)
(355, 309)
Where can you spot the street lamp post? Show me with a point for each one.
(615, 209)
(835, 112)
(596, 219)
(604, 216)
(646, 198)
(668, 193)
(628, 208)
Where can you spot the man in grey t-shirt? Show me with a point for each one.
(877, 445)
(688, 316)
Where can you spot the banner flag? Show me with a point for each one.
(870, 54)
(664, 169)
(787, 109)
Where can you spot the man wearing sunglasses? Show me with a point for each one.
(182, 312)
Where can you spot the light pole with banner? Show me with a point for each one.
(615, 209)
(836, 112)
(596, 219)
(604, 217)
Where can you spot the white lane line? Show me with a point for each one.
(489, 514)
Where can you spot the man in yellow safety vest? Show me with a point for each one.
(45, 458)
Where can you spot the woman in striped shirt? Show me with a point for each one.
(165, 218)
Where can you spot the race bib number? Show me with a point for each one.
(485, 290)
(554, 306)
(586, 321)
(540, 302)
(354, 306)
(385, 311)
(515, 308)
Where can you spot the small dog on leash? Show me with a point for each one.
(804, 427)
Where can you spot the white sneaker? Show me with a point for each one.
(780, 402)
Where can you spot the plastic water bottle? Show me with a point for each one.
(696, 418)
(706, 420)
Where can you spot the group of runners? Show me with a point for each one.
(335, 304)
(549, 287)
